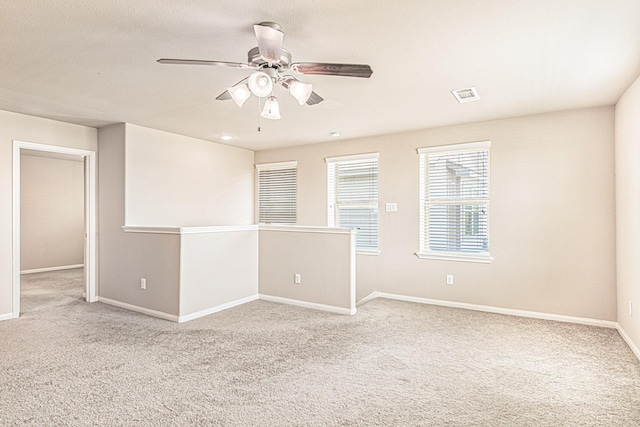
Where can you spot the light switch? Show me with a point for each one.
(391, 207)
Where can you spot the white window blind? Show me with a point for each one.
(454, 194)
(277, 188)
(352, 183)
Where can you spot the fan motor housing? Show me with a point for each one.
(255, 59)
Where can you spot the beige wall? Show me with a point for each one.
(552, 213)
(126, 258)
(51, 212)
(174, 180)
(628, 209)
(27, 129)
(552, 208)
(154, 257)
(114, 281)
(154, 178)
(322, 257)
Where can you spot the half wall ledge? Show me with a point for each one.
(223, 266)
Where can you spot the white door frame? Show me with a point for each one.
(90, 253)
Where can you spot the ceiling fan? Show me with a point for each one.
(271, 62)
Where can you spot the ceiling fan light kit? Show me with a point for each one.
(271, 109)
(300, 91)
(260, 84)
(239, 94)
(270, 62)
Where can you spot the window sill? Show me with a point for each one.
(371, 252)
(485, 259)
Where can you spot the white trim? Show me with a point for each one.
(138, 309)
(368, 252)
(218, 229)
(352, 272)
(472, 146)
(423, 252)
(6, 316)
(305, 304)
(279, 180)
(208, 311)
(279, 165)
(46, 269)
(634, 348)
(443, 256)
(187, 230)
(306, 229)
(422, 194)
(233, 228)
(91, 227)
(373, 295)
(15, 299)
(352, 158)
(333, 165)
(151, 230)
(500, 310)
(90, 246)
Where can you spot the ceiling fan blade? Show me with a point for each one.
(314, 99)
(203, 62)
(270, 38)
(325, 69)
(224, 96)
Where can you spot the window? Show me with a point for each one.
(277, 187)
(454, 199)
(352, 183)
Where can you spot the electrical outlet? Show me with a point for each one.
(143, 283)
(449, 279)
(297, 279)
(630, 309)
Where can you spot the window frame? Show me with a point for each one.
(424, 251)
(332, 194)
(276, 167)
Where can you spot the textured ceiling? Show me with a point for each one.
(94, 62)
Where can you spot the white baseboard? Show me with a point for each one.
(44, 270)
(186, 318)
(305, 304)
(629, 341)
(216, 309)
(500, 310)
(6, 316)
(138, 309)
(373, 295)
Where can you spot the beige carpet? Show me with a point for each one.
(66, 362)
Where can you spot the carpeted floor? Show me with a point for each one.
(67, 362)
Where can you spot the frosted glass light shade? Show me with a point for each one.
(260, 84)
(239, 94)
(271, 109)
(300, 91)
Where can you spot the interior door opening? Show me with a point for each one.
(87, 238)
(52, 223)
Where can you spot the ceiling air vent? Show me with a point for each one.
(466, 95)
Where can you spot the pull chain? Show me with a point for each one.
(259, 111)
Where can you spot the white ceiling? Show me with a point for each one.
(94, 62)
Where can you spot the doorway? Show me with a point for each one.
(90, 261)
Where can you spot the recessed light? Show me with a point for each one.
(226, 137)
(335, 134)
